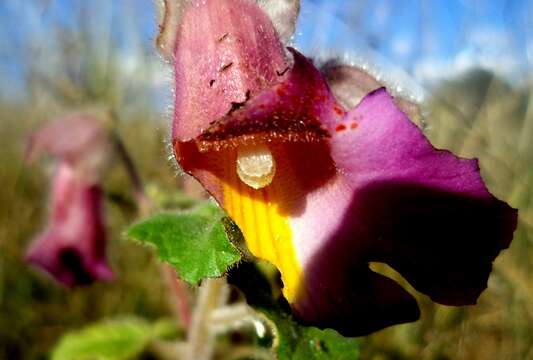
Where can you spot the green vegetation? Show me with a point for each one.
(193, 242)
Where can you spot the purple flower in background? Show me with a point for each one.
(320, 183)
(72, 248)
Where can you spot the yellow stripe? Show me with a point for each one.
(267, 232)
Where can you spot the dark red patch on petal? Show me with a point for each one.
(296, 110)
(340, 127)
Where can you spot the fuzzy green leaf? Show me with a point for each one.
(106, 340)
(193, 242)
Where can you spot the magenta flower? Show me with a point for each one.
(321, 190)
(72, 248)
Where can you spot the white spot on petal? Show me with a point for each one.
(256, 166)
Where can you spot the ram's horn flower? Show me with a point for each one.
(72, 247)
(320, 191)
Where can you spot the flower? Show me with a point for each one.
(72, 248)
(321, 190)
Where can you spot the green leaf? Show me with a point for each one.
(193, 242)
(298, 342)
(292, 340)
(106, 340)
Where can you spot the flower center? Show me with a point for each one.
(256, 166)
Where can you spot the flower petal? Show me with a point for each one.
(351, 84)
(436, 222)
(348, 83)
(226, 51)
(299, 108)
(72, 249)
(399, 201)
(169, 15)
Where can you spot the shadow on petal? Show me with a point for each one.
(442, 242)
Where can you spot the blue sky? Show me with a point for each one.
(429, 39)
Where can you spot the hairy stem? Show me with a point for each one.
(211, 295)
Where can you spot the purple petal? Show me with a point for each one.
(72, 248)
(437, 222)
(424, 212)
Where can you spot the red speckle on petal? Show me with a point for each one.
(354, 125)
(338, 110)
(340, 127)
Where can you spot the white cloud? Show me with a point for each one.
(401, 46)
(433, 70)
(488, 37)
(485, 47)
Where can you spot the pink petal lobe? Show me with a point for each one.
(226, 51)
(424, 212)
(348, 83)
(72, 248)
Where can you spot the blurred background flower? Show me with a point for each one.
(469, 63)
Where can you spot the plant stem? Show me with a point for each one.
(211, 294)
(143, 202)
(144, 205)
(181, 299)
(232, 317)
